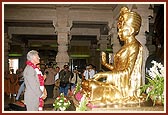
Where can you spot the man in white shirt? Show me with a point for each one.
(57, 83)
(75, 79)
(89, 72)
(57, 69)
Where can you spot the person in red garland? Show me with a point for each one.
(35, 92)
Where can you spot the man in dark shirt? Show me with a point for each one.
(64, 76)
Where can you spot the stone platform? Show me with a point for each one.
(144, 107)
(150, 109)
(141, 107)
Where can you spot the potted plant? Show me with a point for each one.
(154, 89)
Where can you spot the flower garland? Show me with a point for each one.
(41, 80)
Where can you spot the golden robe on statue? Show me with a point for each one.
(120, 84)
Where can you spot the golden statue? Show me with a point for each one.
(120, 84)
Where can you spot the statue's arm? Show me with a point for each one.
(107, 65)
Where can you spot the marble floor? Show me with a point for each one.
(48, 106)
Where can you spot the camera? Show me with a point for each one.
(46, 72)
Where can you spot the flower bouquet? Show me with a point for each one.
(61, 103)
(82, 104)
(77, 92)
(154, 89)
(77, 95)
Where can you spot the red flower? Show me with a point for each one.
(78, 96)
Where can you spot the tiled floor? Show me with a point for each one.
(48, 105)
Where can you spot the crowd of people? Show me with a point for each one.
(36, 85)
(12, 81)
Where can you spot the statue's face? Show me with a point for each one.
(124, 32)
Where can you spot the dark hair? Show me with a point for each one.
(57, 67)
(66, 67)
(50, 64)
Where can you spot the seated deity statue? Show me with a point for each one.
(120, 84)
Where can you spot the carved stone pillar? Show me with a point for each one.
(103, 42)
(6, 51)
(62, 57)
(150, 46)
(114, 39)
(24, 55)
(93, 53)
(62, 28)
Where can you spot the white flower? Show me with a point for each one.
(155, 86)
(61, 100)
(59, 103)
(65, 104)
(156, 70)
(62, 108)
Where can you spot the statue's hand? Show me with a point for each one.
(103, 57)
